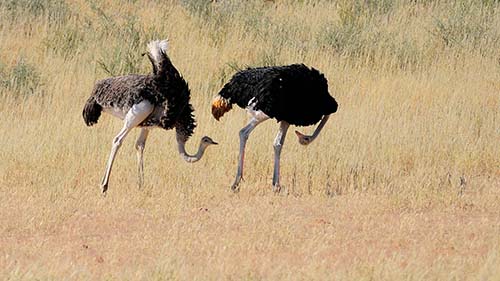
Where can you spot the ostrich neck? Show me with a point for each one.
(320, 127)
(181, 144)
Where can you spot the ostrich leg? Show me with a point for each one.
(244, 133)
(134, 117)
(278, 145)
(139, 145)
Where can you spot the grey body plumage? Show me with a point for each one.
(160, 99)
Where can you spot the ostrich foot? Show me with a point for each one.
(235, 187)
(276, 188)
(104, 188)
(279, 189)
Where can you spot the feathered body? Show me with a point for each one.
(293, 93)
(164, 88)
(159, 99)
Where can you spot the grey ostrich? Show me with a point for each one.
(160, 99)
(291, 94)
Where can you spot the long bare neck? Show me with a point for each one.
(181, 144)
(320, 127)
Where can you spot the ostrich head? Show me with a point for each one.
(303, 139)
(206, 141)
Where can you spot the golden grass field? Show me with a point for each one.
(402, 184)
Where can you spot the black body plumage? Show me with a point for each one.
(164, 88)
(293, 93)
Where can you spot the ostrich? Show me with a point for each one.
(292, 94)
(160, 99)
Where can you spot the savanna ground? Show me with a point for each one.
(403, 183)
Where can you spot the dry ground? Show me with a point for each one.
(250, 236)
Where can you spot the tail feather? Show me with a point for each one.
(91, 111)
(157, 53)
(220, 105)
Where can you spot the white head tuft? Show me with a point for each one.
(164, 45)
(156, 48)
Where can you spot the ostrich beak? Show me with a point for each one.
(215, 143)
(299, 134)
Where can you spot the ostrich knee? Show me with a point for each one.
(277, 148)
(117, 142)
(140, 147)
(244, 133)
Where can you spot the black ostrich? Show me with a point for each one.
(160, 99)
(292, 94)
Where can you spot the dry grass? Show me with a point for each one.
(403, 184)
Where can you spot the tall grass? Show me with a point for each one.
(416, 82)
